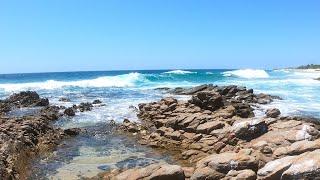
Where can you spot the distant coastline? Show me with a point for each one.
(309, 66)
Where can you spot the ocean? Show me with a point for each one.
(120, 90)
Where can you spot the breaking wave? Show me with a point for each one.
(247, 73)
(125, 80)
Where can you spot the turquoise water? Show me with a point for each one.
(89, 154)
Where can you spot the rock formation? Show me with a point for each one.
(217, 133)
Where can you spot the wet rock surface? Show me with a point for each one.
(218, 135)
(26, 136)
(27, 99)
(22, 99)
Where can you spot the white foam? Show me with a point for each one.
(126, 80)
(247, 73)
(180, 72)
(282, 70)
(306, 74)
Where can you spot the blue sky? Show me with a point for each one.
(71, 35)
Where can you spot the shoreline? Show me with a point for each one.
(216, 121)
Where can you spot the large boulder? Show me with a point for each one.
(208, 100)
(273, 113)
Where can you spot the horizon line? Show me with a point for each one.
(74, 71)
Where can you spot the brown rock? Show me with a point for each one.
(227, 161)
(188, 171)
(274, 169)
(298, 148)
(207, 100)
(249, 129)
(85, 107)
(27, 99)
(273, 113)
(306, 166)
(207, 127)
(246, 174)
(69, 112)
(72, 131)
(168, 172)
(206, 173)
(153, 172)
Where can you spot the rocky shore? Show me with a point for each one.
(217, 133)
(26, 136)
(213, 135)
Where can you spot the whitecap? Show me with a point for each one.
(247, 73)
(180, 72)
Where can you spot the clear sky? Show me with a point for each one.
(71, 35)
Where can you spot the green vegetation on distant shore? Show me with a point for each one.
(309, 66)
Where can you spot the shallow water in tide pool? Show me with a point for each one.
(93, 152)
